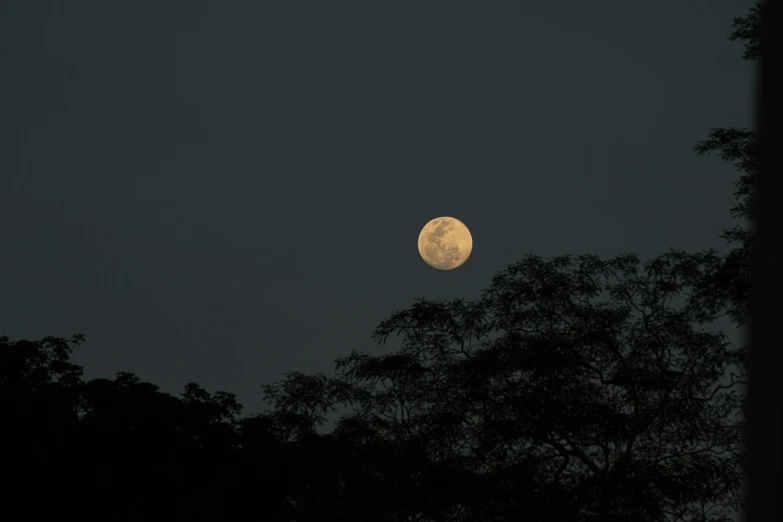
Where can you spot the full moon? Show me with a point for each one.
(445, 243)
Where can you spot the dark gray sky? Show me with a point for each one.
(221, 192)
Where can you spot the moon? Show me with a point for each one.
(445, 243)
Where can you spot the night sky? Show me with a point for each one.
(222, 192)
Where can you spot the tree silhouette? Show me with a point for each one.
(122, 449)
(748, 29)
(38, 401)
(726, 286)
(574, 388)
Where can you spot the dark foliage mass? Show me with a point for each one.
(748, 29)
(573, 389)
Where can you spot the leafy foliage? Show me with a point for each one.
(727, 286)
(574, 388)
(748, 30)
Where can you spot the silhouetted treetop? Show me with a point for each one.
(748, 29)
(590, 375)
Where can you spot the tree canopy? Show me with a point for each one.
(575, 388)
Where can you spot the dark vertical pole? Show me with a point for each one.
(766, 307)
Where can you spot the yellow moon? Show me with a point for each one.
(445, 243)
